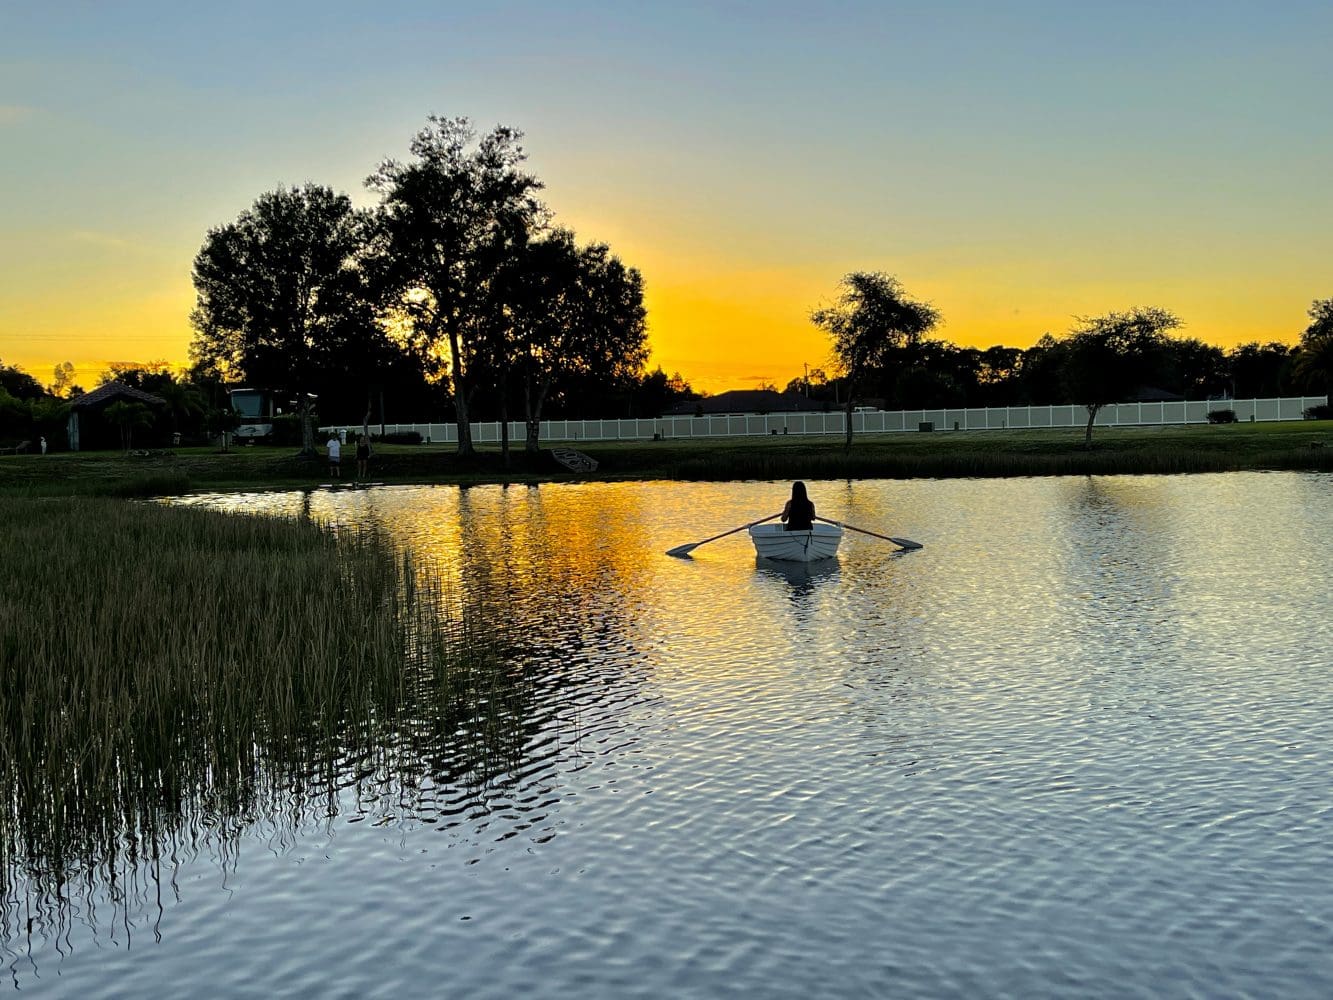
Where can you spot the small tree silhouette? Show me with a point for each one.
(1106, 357)
(127, 417)
(871, 318)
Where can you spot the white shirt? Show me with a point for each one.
(334, 451)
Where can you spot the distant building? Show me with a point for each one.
(91, 404)
(1152, 394)
(749, 401)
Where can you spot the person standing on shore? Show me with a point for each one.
(799, 513)
(362, 455)
(335, 456)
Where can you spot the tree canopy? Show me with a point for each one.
(872, 319)
(450, 220)
(279, 288)
(579, 321)
(20, 384)
(1314, 364)
(1106, 358)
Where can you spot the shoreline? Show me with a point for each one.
(1296, 446)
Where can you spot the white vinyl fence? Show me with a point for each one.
(866, 421)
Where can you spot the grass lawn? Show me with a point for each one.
(1306, 445)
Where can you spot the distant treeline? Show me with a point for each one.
(883, 349)
(457, 298)
(938, 374)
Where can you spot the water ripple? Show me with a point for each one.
(1077, 746)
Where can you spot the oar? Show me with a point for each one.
(684, 550)
(906, 543)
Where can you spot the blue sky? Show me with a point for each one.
(1016, 165)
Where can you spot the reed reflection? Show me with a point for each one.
(282, 679)
(567, 568)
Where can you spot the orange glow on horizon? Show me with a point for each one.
(721, 321)
(720, 331)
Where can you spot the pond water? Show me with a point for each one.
(1080, 744)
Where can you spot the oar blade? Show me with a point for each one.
(905, 543)
(685, 550)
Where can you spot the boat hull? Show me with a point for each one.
(772, 541)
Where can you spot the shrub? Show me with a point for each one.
(1221, 416)
(400, 437)
(1321, 412)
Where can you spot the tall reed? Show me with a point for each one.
(172, 674)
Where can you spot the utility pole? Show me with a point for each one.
(807, 379)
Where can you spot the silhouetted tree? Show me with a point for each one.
(20, 384)
(1192, 368)
(444, 216)
(1040, 379)
(922, 386)
(13, 414)
(129, 417)
(185, 402)
(146, 376)
(1259, 370)
(62, 382)
(276, 286)
(578, 319)
(27, 410)
(658, 392)
(1105, 358)
(1314, 363)
(871, 316)
(813, 383)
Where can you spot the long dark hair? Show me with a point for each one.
(800, 511)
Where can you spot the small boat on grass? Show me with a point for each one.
(773, 541)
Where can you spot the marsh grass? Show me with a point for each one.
(1305, 445)
(172, 675)
(946, 465)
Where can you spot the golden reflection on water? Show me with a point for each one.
(1049, 628)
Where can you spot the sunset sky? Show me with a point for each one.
(1016, 164)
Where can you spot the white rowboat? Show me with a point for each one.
(773, 541)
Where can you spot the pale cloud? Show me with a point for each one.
(12, 114)
(104, 240)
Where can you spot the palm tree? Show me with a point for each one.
(128, 416)
(1314, 360)
(183, 401)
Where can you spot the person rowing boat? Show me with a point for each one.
(799, 512)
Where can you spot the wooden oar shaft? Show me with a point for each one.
(681, 550)
(905, 542)
(734, 530)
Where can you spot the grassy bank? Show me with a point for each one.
(1302, 445)
(170, 674)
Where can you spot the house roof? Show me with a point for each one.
(112, 391)
(748, 401)
(1152, 394)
